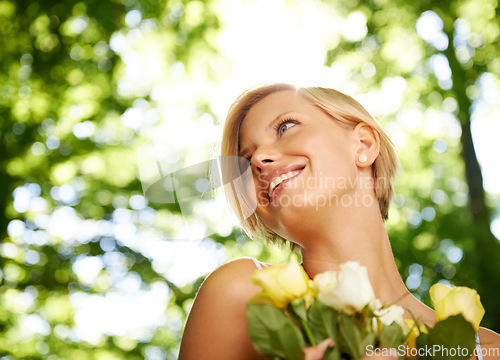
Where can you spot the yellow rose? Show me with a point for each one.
(282, 283)
(415, 331)
(459, 300)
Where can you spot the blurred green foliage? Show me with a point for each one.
(64, 151)
(72, 197)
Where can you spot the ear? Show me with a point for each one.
(368, 144)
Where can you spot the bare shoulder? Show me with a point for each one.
(490, 344)
(237, 273)
(216, 327)
(230, 284)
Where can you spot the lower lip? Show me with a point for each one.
(286, 183)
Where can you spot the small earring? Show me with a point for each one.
(363, 158)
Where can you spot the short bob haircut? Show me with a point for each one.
(341, 108)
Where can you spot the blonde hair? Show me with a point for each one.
(341, 108)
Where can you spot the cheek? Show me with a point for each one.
(332, 162)
(243, 188)
(255, 191)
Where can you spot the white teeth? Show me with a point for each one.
(280, 179)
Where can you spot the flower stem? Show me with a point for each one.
(308, 332)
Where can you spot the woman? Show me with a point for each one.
(320, 178)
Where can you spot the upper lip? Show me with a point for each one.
(269, 177)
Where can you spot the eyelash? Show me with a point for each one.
(279, 124)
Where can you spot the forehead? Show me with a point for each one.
(274, 104)
(269, 108)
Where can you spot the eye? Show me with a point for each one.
(284, 124)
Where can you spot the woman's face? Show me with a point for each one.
(302, 161)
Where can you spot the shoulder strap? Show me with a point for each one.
(478, 351)
(259, 266)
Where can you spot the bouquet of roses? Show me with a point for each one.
(293, 312)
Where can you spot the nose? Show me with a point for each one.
(263, 158)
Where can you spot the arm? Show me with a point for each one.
(490, 344)
(216, 326)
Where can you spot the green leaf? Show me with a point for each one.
(332, 354)
(323, 320)
(369, 339)
(291, 341)
(423, 343)
(273, 333)
(391, 336)
(351, 337)
(299, 308)
(452, 334)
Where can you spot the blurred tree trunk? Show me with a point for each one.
(5, 179)
(487, 247)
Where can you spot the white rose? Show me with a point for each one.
(393, 313)
(326, 281)
(375, 304)
(348, 291)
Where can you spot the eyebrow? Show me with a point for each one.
(245, 151)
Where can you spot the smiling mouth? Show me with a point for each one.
(280, 179)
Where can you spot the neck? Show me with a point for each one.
(360, 236)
